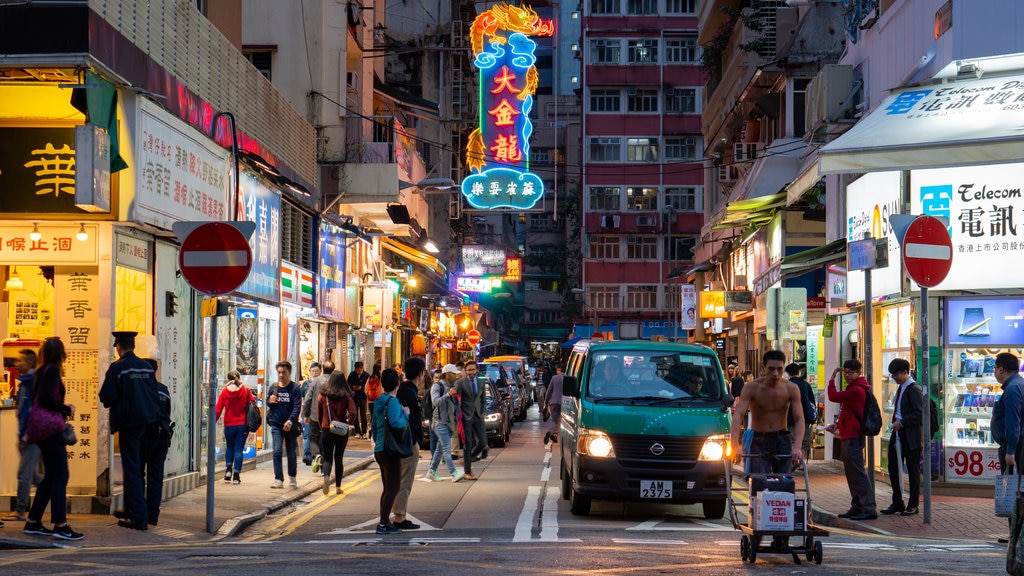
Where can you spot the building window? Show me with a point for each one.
(641, 7)
(545, 317)
(605, 198)
(642, 247)
(673, 297)
(544, 222)
(681, 100)
(641, 199)
(642, 149)
(642, 100)
(604, 247)
(680, 247)
(605, 7)
(683, 148)
(605, 51)
(605, 100)
(641, 297)
(604, 297)
(681, 6)
(605, 149)
(540, 156)
(260, 59)
(682, 199)
(643, 51)
(681, 50)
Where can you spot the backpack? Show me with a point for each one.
(253, 417)
(871, 420)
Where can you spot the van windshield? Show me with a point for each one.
(653, 377)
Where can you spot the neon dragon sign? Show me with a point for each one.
(498, 152)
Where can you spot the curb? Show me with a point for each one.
(238, 524)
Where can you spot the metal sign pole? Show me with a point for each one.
(869, 458)
(926, 425)
(211, 427)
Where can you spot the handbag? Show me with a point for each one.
(397, 441)
(337, 426)
(546, 412)
(42, 423)
(1007, 487)
(70, 438)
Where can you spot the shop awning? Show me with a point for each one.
(951, 122)
(413, 255)
(775, 170)
(751, 212)
(807, 177)
(813, 258)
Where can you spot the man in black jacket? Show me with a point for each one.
(907, 420)
(408, 395)
(130, 391)
(357, 382)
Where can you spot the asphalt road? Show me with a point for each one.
(512, 521)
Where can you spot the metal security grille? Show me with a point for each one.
(188, 46)
(296, 236)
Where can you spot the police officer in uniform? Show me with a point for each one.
(131, 393)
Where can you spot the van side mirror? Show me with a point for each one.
(729, 401)
(570, 387)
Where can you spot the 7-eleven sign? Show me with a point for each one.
(296, 285)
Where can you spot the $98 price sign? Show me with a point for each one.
(972, 463)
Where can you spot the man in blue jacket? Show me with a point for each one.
(28, 466)
(130, 391)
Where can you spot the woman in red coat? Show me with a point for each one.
(231, 405)
(334, 403)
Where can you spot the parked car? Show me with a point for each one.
(518, 368)
(508, 384)
(498, 421)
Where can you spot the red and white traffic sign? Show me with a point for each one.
(473, 337)
(927, 251)
(215, 258)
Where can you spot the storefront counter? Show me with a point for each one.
(9, 455)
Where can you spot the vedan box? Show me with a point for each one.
(773, 511)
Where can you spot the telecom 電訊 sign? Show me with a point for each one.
(498, 152)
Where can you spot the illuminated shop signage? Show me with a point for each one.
(513, 270)
(483, 261)
(482, 285)
(498, 151)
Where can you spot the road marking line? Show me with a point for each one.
(288, 523)
(545, 474)
(524, 526)
(691, 525)
(642, 541)
(547, 457)
(549, 516)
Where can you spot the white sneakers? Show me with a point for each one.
(457, 476)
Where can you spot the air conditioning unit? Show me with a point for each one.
(829, 95)
(728, 173)
(745, 151)
(646, 221)
(609, 221)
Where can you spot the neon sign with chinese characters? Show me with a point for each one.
(499, 149)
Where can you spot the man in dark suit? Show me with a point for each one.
(907, 419)
(471, 391)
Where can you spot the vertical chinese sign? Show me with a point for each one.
(498, 153)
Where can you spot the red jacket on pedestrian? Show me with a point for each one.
(231, 405)
(852, 400)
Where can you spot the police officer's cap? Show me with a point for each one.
(125, 338)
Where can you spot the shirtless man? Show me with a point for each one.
(768, 399)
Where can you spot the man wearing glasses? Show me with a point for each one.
(852, 400)
(772, 448)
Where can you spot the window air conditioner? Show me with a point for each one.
(745, 151)
(727, 173)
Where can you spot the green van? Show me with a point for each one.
(644, 421)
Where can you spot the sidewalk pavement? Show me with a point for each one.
(183, 518)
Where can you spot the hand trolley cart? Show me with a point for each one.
(806, 542)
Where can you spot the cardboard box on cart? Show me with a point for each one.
(777, 511)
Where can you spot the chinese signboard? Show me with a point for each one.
(985, 210)
(513, 270)
(483, 261)
(499, 149)
(870, 200)
(58, 244)
(37, 170)
(712, 304)
(330, 289)
(473, 284)
(689, 314)
(262, 206)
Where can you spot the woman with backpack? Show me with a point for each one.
(334, 403)
(231, 406)
(373, 389)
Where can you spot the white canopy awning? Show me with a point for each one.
(949, 123)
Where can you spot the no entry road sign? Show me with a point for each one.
(215, 258)
(473, 337)
(927, 251)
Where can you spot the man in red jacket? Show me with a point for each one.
(852, 399)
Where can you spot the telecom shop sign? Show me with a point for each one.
(498, 151)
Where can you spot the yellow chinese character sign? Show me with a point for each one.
(499, 148)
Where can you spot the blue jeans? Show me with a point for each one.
(130, 441)
(281, 438)
(305, 442)
(53, 489)
(28, 474)
(444, 447)
(234, 440)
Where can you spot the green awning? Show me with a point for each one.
(751, 212)
(806, 260)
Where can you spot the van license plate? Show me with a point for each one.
(655, 488)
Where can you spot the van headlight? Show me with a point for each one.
(595, 443)
(715, 448)
(496, 417)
